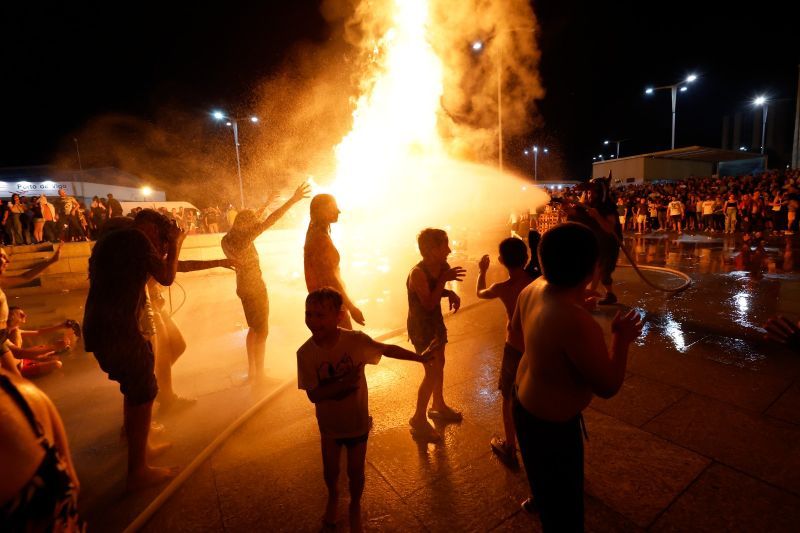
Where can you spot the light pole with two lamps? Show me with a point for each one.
(234, 123)
(535, 152)
(618, 141)
(762, 101)
(478, 47)
(674, 88)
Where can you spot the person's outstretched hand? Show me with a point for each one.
(628, 326)
(357, 316)
(483, 264)
(784, 331)
(428, 354)
(302, 191)
(453, 274)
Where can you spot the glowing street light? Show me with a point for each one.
(478, 47)
(674, 91)
(146, 191)
(617, 141)
(234, 122)
(535, 151)
(762, 101)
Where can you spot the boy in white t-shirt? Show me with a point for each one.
(330, 368)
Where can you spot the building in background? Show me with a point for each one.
(678, 164)
(82, 184)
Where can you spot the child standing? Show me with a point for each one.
(330, 368)
(513, 254)
(565, 362)
(426, 327)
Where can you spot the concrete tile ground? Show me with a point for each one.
(702, 436)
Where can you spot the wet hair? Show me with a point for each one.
(325, 295)
(568, 254)
(430, 238)
(244, 219)
(13, 309)
(151, 216)
(513, 252)
(319, 204)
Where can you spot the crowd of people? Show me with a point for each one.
(766, 202)
(555, 359)
(37, 219)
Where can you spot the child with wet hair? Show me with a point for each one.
(513, 254)
(330, 368)
(565, 362)
(426, 330)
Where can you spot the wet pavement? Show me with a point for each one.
(704, 435)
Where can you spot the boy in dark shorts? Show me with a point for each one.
(116, 329)
(426, 287)
(565, 362)
(330, 368)
(513, 254)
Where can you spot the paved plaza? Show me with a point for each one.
(704, 435)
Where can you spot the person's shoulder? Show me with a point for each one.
(307, 348)
(355, 335)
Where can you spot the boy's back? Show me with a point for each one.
(548, 383)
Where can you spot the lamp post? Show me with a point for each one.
(674, 88)
(478, 47)
(535, 151)
(617, 141)
(762, 101)
(234, 123)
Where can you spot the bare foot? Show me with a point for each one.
(154, 450)
(331, 512)
(150, 476)
(355, 519)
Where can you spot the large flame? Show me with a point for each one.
(397, 118)
(394, 176)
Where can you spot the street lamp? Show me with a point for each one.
(146, 191)
(535, 151)
(234, 122)
(762, 101)
(618, 141)
(477, 47)
(682, 86)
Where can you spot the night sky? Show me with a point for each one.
(63, 65)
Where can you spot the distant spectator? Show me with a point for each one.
(114, 207)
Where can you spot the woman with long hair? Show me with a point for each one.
(250, 287)
(321, 258)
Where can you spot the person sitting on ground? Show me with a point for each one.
(330, 368)
(238, 246)
(39, 487)
(37, 360)
(513, 255)
(426, 287)
(565, 362)
(321, 258)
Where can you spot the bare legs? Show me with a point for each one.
(331, 452)
(432, 386)
(256, 349)
(137, 429)
(508, 426)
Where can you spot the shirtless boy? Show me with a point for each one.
(565, 362)
(513, 254)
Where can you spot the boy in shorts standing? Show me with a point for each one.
(426, 287)
(513, 254)
(330, 368)
(565, 362)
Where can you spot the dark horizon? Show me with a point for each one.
(69, 66)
